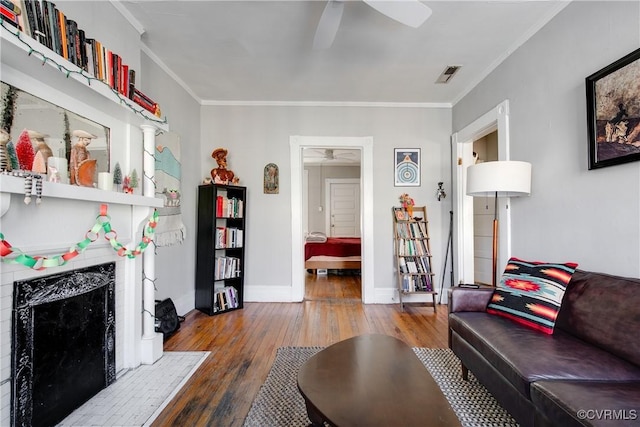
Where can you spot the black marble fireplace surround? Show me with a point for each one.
(63, 348)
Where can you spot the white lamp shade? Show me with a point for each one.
(506, 178)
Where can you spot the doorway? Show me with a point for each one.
(365, 145)
(495, 120)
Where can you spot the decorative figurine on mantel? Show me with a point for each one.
(25, 152)
(82, 167)
(43, 152)
(222, 175)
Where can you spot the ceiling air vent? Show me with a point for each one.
(448, 73)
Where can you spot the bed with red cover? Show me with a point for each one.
(337, 253)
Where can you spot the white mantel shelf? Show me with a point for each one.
(12, 184)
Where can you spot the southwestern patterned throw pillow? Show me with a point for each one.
(530, 293)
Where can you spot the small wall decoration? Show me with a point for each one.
(271, 179)
(171, 229)
(613, 112)
(407, 167)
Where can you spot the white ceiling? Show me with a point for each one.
(252, 52)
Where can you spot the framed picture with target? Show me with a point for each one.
(407, 167)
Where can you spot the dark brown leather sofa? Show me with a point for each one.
(587, 373)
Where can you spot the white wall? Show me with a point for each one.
(573, 214)
(257, 135)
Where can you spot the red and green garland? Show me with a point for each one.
(102, 223)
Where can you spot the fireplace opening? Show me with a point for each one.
(63, 343)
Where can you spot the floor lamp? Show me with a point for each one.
(498, 179)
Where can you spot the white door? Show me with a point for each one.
(343, 215)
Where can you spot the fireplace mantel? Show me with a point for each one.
(15, 185)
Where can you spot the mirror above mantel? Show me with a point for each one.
(21, 111)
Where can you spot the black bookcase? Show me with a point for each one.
(220, 260)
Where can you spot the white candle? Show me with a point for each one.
(57, 170)
(105, 181)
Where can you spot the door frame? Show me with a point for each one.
(496, 119)
(297, 143)
(327, 199)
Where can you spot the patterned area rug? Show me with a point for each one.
(279, 403)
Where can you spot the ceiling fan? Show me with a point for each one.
(412, 13)
(331, 155)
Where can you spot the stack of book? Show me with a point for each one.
(229, 208)
(45, 23)
(416, 284)
(226, 298)
(228, 237)
(10, 13)
(226, 268)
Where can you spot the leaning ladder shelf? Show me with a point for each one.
(413, 253)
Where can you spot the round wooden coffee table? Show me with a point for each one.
(372, 380)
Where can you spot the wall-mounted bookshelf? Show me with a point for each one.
(23, 53)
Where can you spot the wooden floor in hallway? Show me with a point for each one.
(243, 343)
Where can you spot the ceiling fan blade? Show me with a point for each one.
(408, 12)
(328, 24)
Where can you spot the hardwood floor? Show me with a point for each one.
(243, 344)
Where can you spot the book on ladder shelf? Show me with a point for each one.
(413, 253)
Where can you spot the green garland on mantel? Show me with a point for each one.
(103, 223)
(63, 69)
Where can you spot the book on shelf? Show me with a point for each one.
(9, 13)
(132, 83)
(23, 19)
(221, 237)
(72, 30)
(144, 101)
(51, 27)
(229, 207)
(11, 6)
(228, 237)
(416, 284)
(226, 268)
(64, 40)
(48, 25)
(402, 265)
(226, 298)
(401, 214)
(411, 266)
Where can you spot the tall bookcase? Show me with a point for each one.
(413, 253)
(220, 258)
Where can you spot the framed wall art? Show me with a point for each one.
(407, 167)
(613, 112)
(271, 179)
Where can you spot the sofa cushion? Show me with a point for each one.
(530, 293)
(580, 403)
(523, 355)
(605, 311)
